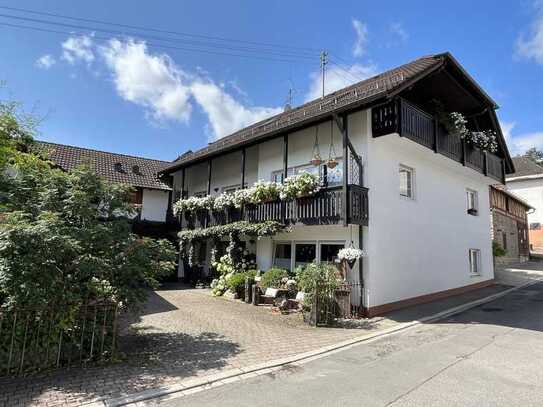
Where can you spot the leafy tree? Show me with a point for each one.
(65, 236)
(535, 155)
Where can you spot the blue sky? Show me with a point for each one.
(122, 93)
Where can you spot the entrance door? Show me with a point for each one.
(523, 243)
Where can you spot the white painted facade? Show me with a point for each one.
(530, 189)
(154, 205)
(415, 246)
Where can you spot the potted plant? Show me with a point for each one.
(350, 255)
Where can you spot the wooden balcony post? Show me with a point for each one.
(345, 200)
(283, 204)
(182, 195)
(463, 152)
(243, 158)
(285, 156)
(485, 163)
(209, 177)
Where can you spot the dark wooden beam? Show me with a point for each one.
(243, 158)
(343, 129)
(285, 156)
(345, 138)
(209, 177)
(183, 183)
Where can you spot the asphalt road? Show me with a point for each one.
(489, 356)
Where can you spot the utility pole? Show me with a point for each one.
(324, 61)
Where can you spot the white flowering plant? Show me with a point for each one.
(350, 254)
(190, 204)
(223, 201)
(264, 191)
(485, 140)
(300, 185)
(242, 197)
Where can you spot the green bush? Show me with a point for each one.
(498, 250)
(320, 278)
(272, 278)
(236, 283)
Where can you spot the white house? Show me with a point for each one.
(152, 194)
(527, 183)
(413, 195)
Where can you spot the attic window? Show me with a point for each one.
(119, 167)
(136, 169)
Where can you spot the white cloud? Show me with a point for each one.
(518, 144)
(531, 46)
(226, 114)
(338, 78)
(361, 29)
(78, 48)
(151, 81)
(167, 92)
(398, 30)
(45, 61)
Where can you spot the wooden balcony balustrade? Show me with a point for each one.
(400, 116)
(324, 208)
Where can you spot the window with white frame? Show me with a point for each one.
(283, 255)
(474, 261)
(472, 201)
(407, 181)
(291, 254)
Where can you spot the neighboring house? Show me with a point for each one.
(527, 183)
(510, 225)
(152, 194)
(415, 197)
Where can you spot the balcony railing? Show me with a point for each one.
(402, 117)
(325, 208)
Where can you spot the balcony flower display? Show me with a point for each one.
(223, 201)
(263, 191)
(299, 186)
(350, 255)
(242, 197)
(190, 204)
(485, 140)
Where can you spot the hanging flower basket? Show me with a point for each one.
(332, 163)
(350, 255)
(317, 160)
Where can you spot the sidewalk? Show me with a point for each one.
(185, 338)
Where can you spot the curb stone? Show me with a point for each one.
(192, 386)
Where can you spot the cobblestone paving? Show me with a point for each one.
(182, 333)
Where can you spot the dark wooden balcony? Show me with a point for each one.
(325, 208)
(401, 117)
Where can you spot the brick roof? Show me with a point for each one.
(357, 94)
(525, 167)
(112, 167)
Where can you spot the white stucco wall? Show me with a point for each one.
(154, 205)
(532, 192)
(421, 246)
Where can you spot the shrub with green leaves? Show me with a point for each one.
(65, 236)
(498, 250)
(273, 277)
(236, 283)
(320, 279)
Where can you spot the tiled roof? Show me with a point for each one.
(359, 93)
(125, 169)
(525, 167)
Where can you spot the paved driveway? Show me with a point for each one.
(488, 356)
(181, 333)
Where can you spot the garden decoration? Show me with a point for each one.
(316, 159)
(350, 255)
(332, 162)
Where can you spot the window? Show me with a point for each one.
(283, 255)
(407, 176)
(329, 252)
(535, 226)
(474, 261)
(504, 240)
(305, 253)
(136, 197)
(472, 201)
